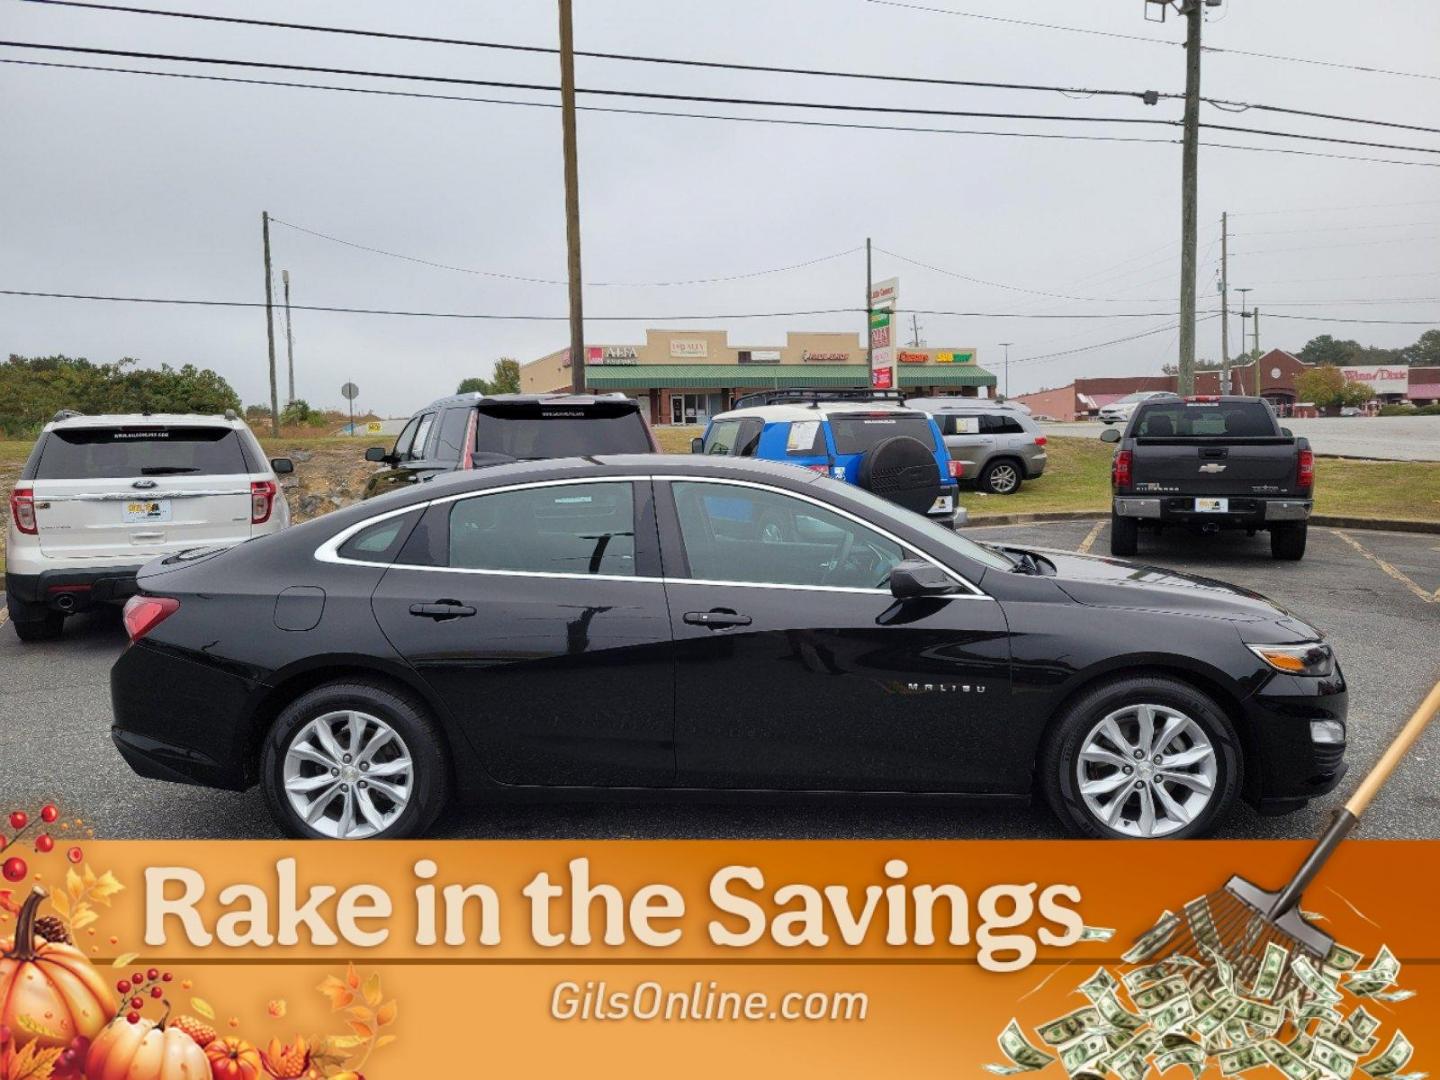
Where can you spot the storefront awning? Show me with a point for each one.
(756, 376)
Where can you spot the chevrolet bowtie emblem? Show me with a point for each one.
(1212, 468)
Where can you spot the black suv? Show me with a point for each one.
(471, 431)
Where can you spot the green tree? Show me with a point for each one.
(473, 385)
(1356, 393)
(1424, 352)
(296, 413)
(1324, 349)
(1322, 386)
(505, 379)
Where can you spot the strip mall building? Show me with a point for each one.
(687, 376)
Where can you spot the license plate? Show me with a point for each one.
(147, 510)
(1212, 506)
(943, 505)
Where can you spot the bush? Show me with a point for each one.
(1428, 410)
(1399, 410)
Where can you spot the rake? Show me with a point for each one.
(1238, 922)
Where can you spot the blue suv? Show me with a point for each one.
(873, 442)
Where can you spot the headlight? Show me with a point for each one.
(1312, 658)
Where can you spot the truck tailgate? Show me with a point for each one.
(1186, 466)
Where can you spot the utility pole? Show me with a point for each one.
(869, 284)
(1007, 345)
(572, 198)
(1194, 11)
(270, 324)
(1255, 314)
(1224, 304)
(289, 336)
(915, 331)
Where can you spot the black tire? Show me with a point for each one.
(406, 714)
(1124, 535)
(902, 470)
(34, 622)
(1003, 476)
(1287, 542)
(1058, 763)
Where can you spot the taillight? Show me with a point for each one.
(823, 470)
(1120, 470)
(1040, 440)
(262, 501)
(1305, 473)
(957, 469)
(22, 509)
(143, 613)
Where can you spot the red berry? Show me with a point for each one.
(152, 974)
(166, 977)
(19, 819)
(49, 813)
(137, 1003)
(156, 992)
(75, 854)
(137, 978)
(123, 986)
(15, 869)
(133, 1017)
(44, 843)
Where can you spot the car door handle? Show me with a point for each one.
(717, 619)
(442, 610)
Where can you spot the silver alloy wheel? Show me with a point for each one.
(1146, 770)
(348, 775)
(1003, 479)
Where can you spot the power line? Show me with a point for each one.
(785, 121)
(559, 281)
(1002, 285)
(1328, 209)
(1328, 247)
(1339, 228)
(1376, 322)
(1103, 344)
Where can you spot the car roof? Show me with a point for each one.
(145, 420)
(959, 404)
(558, 398)
(820, 410)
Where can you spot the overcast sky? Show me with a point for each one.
(143, 186)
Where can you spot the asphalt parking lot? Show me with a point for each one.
(1376, 594)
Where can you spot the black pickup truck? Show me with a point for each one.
(1210, 463)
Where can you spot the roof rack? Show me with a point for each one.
(804, 395)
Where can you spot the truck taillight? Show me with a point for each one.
(1120, 470)
(1305, 472)
(143, 613)
(262, 501)
(22, 509)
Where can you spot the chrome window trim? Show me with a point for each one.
(328, 552)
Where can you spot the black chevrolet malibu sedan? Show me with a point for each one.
(661, 626)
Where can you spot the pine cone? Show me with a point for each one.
(52, 929)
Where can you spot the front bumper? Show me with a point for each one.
(74, 589)
(1287, 767)
(1245, 511)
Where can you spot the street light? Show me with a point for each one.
(1006, 345)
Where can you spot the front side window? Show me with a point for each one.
(422, 437)
(721, 440)
(561, 529)
(756, 536)
(401, 450)
(125, 451)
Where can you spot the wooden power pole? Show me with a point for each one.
(270, 324)
(289, 336)
(1190, 168)
(1224, 303)
(869, 284)
(572, 198)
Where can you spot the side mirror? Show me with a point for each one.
(282, 466)
(1110, 434)
(1287, 433)
(697, 445)
(376, 453)
(915, 578)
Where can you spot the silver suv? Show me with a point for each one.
(997, 446)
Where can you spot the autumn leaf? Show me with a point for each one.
(73, 884)
(339, 994)
(105, 887)
(344, 1042)
(365, 1031)
(59, 901)
(35, 1027)
(372, 990)
(383, 1041)
(203, 1007)
(83, 917)
(386, 1014)
(124, 959)
(33, 1063)
(352, 977)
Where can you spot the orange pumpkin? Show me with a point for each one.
(145, 1051)
(50, 984)
(233, 1059)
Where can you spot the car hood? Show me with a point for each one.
(1096, 581)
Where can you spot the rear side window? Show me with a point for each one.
(115, 452)
(379, 542)
(992, 424)
(953, 424)
(1217, 420)
(534, 430)
(450, 442)
(805, 437)
(563, 529)
(857, 434)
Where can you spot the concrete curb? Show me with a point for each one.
(1329, 520)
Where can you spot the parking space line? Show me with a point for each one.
(1387, 568)
(1091, 537)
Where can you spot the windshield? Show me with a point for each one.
(857, 434)
(1205, 420)
(114, 452)
(941, 540)
(555, 431)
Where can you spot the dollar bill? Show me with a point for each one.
(1153, 940)
(1083, 1052)
(1154, 997)
(1347, 1038)
(1213, 1018)
(1333, 1059)
(1381, 973)
(1396, 1056)
(1241, 1059)
(1096, 933)
(1023, 1056)
(1149, 973)
(1318, 986)
(1102, 982)
(1202, 923)
(1361, 1022)
(1302, 1044)
(1116, 1015)
(1173, 1015)
(1272, 966)
(1267, 1017)
(1192, 1057)
(1317, 1010)
(1390, 995)
(1342, 959)
(1204, 998)
(1069, 1027)
(1287, 1061)
(1223, 971)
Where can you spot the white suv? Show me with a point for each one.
(100, 496)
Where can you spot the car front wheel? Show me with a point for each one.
(1141, 758)
(354, 760)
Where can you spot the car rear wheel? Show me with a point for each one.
(1124, 535)
(1001, 477)
(1141, 758)
(34, 622)
(354, 761)
(1288, 541)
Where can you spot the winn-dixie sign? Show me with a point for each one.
(1383, 380)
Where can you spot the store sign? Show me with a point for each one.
(954, 357)
(1382, 380)
(611, 354)
(759, 356)
(912, 357)
(810, 356)
(883, 297)
(688, 349)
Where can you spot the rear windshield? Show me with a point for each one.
(113, 452)
(856, 434)
(530, 431)
(1209, 420)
